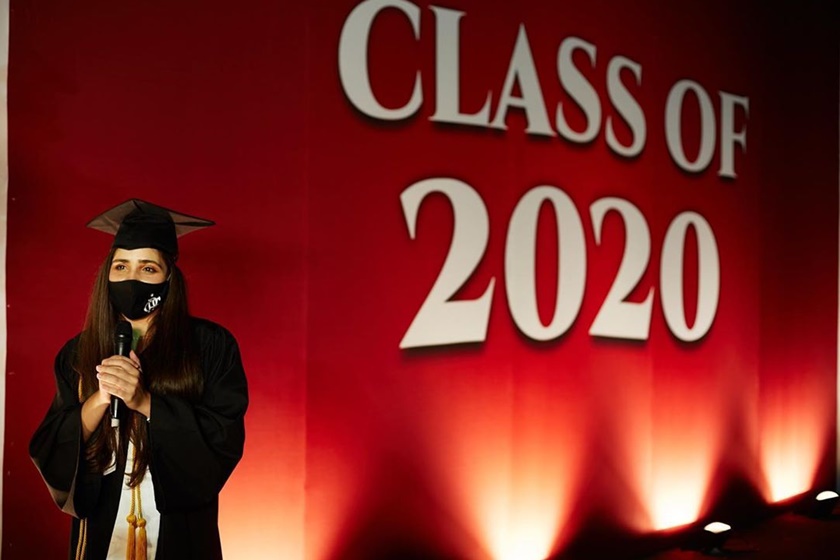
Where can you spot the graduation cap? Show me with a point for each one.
(136, 224)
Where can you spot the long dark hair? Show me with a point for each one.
(168, 356)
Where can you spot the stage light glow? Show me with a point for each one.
(680, 482)
(717, 527)
(525, 527)
(686, 448)
(519, 517)
(252, 526)
(794, 435)
(823, 505)
(510, 471)
(826, 495)
(676, 504)
(625, 426)
(261, 530)
(788, 473)
(711, 540)
(519, 533)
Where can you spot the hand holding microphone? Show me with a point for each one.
(119, 375)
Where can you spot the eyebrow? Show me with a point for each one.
(141, 261)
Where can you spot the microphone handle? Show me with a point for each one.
(115, 406)
(121, 349)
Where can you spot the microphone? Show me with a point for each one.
(122, 347)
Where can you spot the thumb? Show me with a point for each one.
(134, 358)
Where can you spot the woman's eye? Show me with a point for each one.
(150, 270)
(119, 267)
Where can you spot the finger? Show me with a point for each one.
(121, 362)
(117, 368)
(114, 366)
(110, 385)
(123, 369)
(106, 388)
(118, 376)
(117, 384)
(127, 392)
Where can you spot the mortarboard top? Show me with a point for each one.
(136, 224)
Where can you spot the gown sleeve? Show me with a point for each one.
(56, 445)
(195, 446)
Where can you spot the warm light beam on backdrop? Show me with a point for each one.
(511, 461)
(686, 445)
(795, 427)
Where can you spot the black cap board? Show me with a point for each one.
(136, 224)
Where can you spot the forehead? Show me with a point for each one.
(137, 255)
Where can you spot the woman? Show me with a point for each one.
(147, 488)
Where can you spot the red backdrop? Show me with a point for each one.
(498, 444)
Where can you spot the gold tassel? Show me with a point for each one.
(132, 524)
(141, 524)
(141, 539)
(81, 546)
(136, 548)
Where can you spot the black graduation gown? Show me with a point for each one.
(194, 449)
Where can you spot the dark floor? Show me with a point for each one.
(788, 536)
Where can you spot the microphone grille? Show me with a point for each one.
(124, 329)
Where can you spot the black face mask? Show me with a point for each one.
(136, 299)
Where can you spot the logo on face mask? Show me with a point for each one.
(153, 302)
